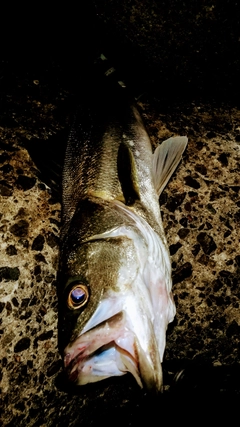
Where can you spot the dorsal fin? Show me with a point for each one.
(127, 174)
(166, 159)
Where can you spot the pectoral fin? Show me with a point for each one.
(127, 174)
(166, 158)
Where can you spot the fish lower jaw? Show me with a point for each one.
(113, 348)
(109, 360)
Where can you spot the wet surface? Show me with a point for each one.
(200, 209)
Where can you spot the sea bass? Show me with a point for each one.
(115, 299)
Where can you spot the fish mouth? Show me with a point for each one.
(108, 349)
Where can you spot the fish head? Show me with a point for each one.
(106, 319)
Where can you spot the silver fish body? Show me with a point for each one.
(115, 270)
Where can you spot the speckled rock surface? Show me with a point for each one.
(201, 212)
(29, 254)
(201, 217)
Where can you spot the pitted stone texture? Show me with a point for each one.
(200, 209)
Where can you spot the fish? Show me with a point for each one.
(115, 286)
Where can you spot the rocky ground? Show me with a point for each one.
(201, 214)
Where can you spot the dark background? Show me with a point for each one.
(170, 48)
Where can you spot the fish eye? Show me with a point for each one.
(78, 296)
